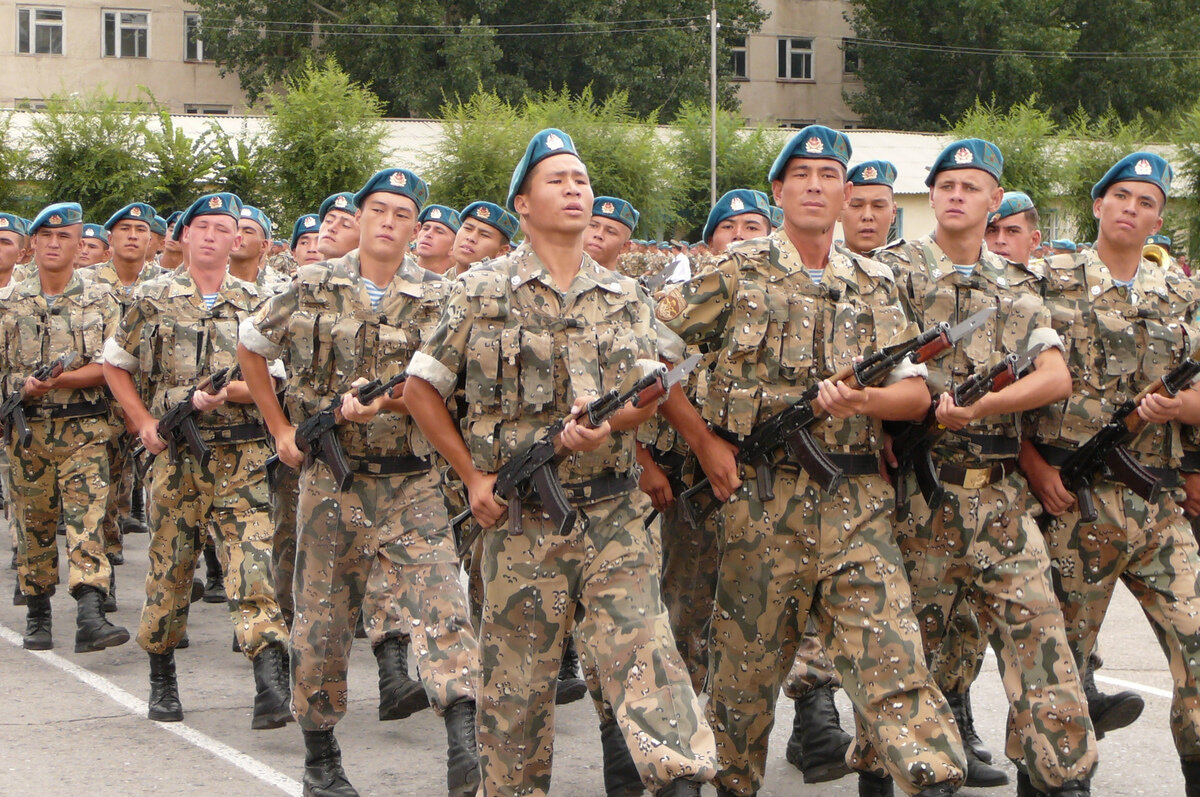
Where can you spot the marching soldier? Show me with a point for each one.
(14, 234)
(303, 243)
(248, 261)
(93, 246)
(485, 232)
(181, 329)
(1012, 230)
(339, 225)
(172, 254)
(439, 225)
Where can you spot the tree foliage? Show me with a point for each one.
(1088, 148)
(15, 190)
(182, 165)
(1027, 138)
(245, 164)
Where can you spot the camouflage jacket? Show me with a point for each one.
(1118, 340)
(34, 332)
(324, 326)
(528, 350)
(932, 291)
(776, 332)
(106, 274)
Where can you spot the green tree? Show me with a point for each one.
(1088, 148)
(182, 166)
(245, 164)
(15, 190)
(1025, 134)
(90, 149)
(326, 136)
(1185, 232)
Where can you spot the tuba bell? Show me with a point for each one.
(1156, 254)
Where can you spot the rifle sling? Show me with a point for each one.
(974, 478)
(81, 409)
(850, 464)
(1057, 455)
(227, 435)
(991, 445)
(672, 461)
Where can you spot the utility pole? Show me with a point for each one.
(712, 79)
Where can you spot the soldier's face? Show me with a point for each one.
(741, 227)
(129, 240)
(169, 243)
(12, 246)
(254, 240)
(475, 241)
(1128, 212)
(305, 251)
(338, 234)
(1013, 237)
(867, 217)
(208, 241)
(962, 199)
(54, 249)
(605, 239)
(91, 252)
(387, 223)
(812, 193)
(435, 240)
(556, 197)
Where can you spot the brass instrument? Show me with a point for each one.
(1156, 255)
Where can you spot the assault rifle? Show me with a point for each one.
(12, 411)
(912, 445)
(178, 427)
(531, 471)
(1105, 452)
(788, 429)
(317, 436)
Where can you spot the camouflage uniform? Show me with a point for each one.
(834, 555)
(65, 469)
(527, 351)
(981, 546)
(1119, 340)
(283, 263)
(169, 341)
(384, 544)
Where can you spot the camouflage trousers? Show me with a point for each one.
(382, 547)
(1151, 549)
(64, 471)
(981, 547)
(229, 497)
(602, 580)
(118, 502)
(454, 495)
(284, 499)
(833, 555)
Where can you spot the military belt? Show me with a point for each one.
(1190, 462)
(856, 464)
(604, 486)
(389, 466)
(1057, 455)
(975, 478)
(672, 461)
(227, 435)
(81, 409)
(993, 444)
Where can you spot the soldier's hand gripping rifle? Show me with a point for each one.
(913, 445)
(316, 437)
(788, 429)
(531, 471)
(178, 427)
(1105, 453)
(12, 411)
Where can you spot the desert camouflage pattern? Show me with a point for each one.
(812, 668)
(283, 263)
(284, 500)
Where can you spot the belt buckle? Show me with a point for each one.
(975, 478)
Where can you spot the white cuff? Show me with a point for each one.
(432, 371)
(115, 356)
(255, 341)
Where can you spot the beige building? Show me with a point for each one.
(793, 71)
(80, 45)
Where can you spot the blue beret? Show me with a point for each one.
(95, 231)
(60, 214)
(442, 215)
(776, 217)
(663, 245)
(550, 141)
(1143, 167)
(158, 225)
(1014, 202)
(342, 200)
(873, 173)
(308, 223)
(1062, 243)
(616, 209)
(13, 222)
(735, 203)
(394, 181)
(969, 153)
(1159, 240)
(493, 214)
(223, 204)
(174, 217)
(258, 217)
(814, 141)
(138, 211)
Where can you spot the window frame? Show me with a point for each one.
(737, 49)
(32, 24)
(785, 53)
(118, 28)
(849, 50)
(191, 19)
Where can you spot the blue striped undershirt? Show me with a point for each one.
(210, 299)
(815, 274)
(375, 292)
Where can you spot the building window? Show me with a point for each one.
(796, 124)
(127, 34)
(40, 31)
(201, 109)
(194, 47)
(795, 59)
(737, 58)
(849, 57)
(29, 104)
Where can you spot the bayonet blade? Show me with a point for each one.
(681, 371)
(1025, 361)
(967, 327)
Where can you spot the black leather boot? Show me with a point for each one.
(570, 686)
(273, 700)
(621, 777)
(970, 736)
(818, 744)
(135, 521)
(937, 790)
(164, 689)
(93, 631)
(1110, 712)
(979, 772)
(37, 623)
(214, 584)
(18, 596)
(462, 753)
(874, 786)
(1072, 788)
(115, 558)
(1191, 778)
(681, 787)
(323, 773)
(399, 695)
(110, 600)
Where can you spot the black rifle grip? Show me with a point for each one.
(1087, 504)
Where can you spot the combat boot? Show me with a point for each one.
(681, 787)
(966, 726)
(18, 596)
(273, 701)
(937, 790)
(110, 600)
(462, 753)
(570, 686)
(323, 773)
(115, 558)
(1110, 712)
(818, 744)
(874, 786)
(135, 521)
(164, 689)
(37, 623)
(621, 777)
(979, 772)
(93, 631)
(214, 584)
(399, 695)
(1191, 778)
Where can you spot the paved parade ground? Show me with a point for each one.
(74, 724)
